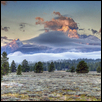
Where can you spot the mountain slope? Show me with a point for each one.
(12, 46)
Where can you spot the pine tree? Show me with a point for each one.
(1, 73)
(72, 69)
(13, 66)
(4, 63)
(38, 68)
(82, 67)
(51, 67)
(5, 68)
(98, 69)
(25, 67)
(31, 68)
(35, 70)
(19, 70)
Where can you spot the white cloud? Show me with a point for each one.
(19, 57)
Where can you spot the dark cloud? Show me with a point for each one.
(3, 37)
(46, 30)
(50, 38)
(81, 29)
(23, 25)
(5, 28)
(94, 31)
(58, 39)
(5, 42)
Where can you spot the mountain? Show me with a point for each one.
(17, 45)
(12, 46)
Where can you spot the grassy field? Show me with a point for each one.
(55, 86)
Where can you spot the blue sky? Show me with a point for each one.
(87, 14)
(33, 20)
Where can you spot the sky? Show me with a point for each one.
(52, 23)
(18, 18)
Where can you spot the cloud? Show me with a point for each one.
(60, 40)
(5, 28)
(100, 30)
(57, 13)
(81, 29)
(4, 40)
(53, 25)
(94, 31)
(72, 33)
(4, 2)
(39, 19)
(61, 23)
(46, 30)
(19, 57)
(3, 37)
(89, 32)
(23, 25)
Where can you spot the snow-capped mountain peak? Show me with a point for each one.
(12, 46)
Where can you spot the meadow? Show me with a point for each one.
(51, 86)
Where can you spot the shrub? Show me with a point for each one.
(72, 70)
(67, 70)
(1, 73)
(98, 69)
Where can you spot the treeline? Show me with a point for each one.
(26, 66)
(67, 64)
(61, 64)
(79, 65)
